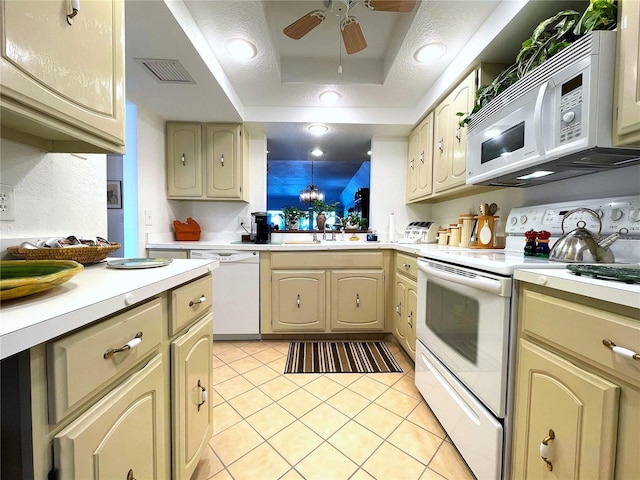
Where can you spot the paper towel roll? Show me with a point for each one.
(392, 227)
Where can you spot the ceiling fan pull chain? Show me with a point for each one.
(340, 48)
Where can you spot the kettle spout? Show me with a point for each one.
(606, 242)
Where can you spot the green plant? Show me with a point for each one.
(550, 37)
(320, 206)
(292, 214)
(354, 218)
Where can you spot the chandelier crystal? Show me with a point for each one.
(311, 193)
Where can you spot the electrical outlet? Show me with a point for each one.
(147, 218)
(7, 203)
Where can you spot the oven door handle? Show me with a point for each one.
(480, 283)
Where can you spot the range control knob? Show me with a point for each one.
(600, 212)
(634, 215)
(513, 221)
(568, 117)
(616, 214)
(523, 219)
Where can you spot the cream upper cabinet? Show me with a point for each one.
(207, 162)
(450, 141)
(298, 300)
(420, 160)
(192, 382)
(357, 300)
(63, 89)
(581, 409)
(626, 121)
(184, 160)
(121, 436)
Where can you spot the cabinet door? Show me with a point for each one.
(191, 382)
(298, 300)
(580, 408)
(627, 104)
(441, 145)
(357, 300)
(399, 329)
(67, 81)
(412, 167)
(184, 160)
(124, 432)
(223, 162)
(411, 302)
(425, 157)
(463, 98)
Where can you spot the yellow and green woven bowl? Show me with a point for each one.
(19, 278)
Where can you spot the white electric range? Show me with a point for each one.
(465, 353)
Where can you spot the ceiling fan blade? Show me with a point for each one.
(352, 36)
(304, 24)
(391, 5)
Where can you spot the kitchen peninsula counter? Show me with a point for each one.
(96, 292)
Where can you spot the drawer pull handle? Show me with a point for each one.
(203, 395)
(357, 300)
(545, 451)
(298, 300)
(133, 343)
(202, 299)
(183, 159)
(222, 160)
(406, 265)
(75, 6)
(623, 352)
(130, 475)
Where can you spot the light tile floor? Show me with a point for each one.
(270, 426)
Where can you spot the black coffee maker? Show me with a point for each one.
(260, 229)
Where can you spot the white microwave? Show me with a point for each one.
(552, 124)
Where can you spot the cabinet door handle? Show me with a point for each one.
(202, 299)
(357, 300)
(134, 342)
(545, 451)
(411, 164)
(298, 300)
(441, 145)
(623, 352)
(130, 475)
(410, 319)
(399, 308)
(422, 157)
(458, 134)
(222, 160)
(203, 395)
(183, 159)
(75, 6)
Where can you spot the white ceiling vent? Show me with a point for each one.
(166, 71)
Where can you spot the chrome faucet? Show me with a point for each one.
(324, 232)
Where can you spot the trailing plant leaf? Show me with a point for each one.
(548, 38)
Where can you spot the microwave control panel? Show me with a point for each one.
(571, 109)
(614, 213)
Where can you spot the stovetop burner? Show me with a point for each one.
(620, 274)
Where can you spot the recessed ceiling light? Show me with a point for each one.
(430, 52)
(369, 152)
(318, 129)
(316, 152)
(330, 96)
(241, 48)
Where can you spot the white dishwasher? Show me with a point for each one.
(236, 293)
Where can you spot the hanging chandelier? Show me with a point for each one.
(311, 193)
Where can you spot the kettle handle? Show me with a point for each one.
(592, 212)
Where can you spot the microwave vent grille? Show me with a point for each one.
(578, 50)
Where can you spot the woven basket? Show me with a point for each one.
(84, 255)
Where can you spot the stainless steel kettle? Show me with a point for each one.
(580, 245)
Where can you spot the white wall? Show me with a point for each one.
(56, 195)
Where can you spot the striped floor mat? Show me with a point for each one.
(340, 357)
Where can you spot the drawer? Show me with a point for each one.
(313, 259)
(76, 367)
(407, 264)
(580, 329)
(189, 302)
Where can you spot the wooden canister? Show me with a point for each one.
(486, 231)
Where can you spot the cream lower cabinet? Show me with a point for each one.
(298, 300)
(121, 436)
(357, 300)
(406, 302)
(192, 380)
(574, 412)
(62, 84)
(570, 382)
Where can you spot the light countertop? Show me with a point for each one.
(96, 292)
(606, 290)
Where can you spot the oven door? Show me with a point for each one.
(463, 319)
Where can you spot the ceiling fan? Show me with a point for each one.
(352, 35)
